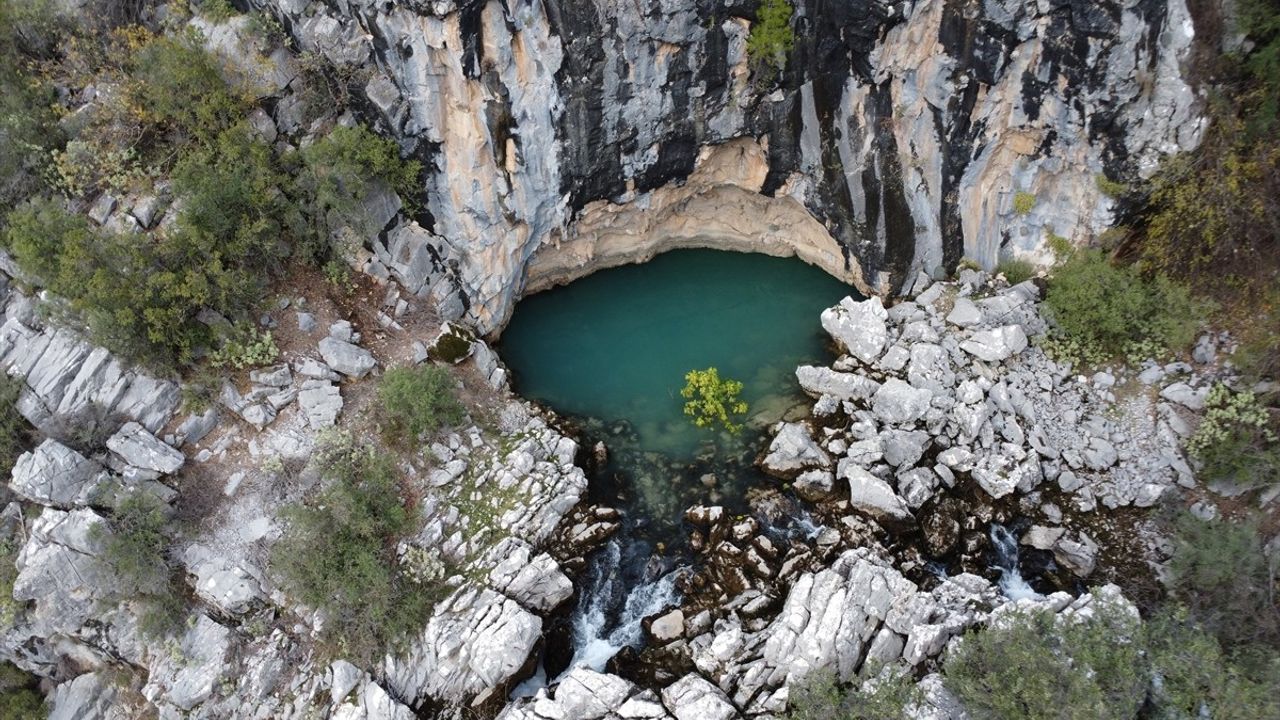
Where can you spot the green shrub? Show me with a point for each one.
(141, 295)
(771, 38)
(1016, 271)
(1031, 665)
(9, 608)
(338, 552)
(819, 697)
(1196, 679)
(711, 401)
(414, 401)
(29, 31)
(1105, 308)
(218, 10)
(1023, 203)
(22, 704)
(245, 347)
(341, 170)
(1235, 440)
(178, 89)
(136, 546)
(15, 432)
(1222, 574)
(1110, 188)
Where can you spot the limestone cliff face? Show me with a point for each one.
(905, 129)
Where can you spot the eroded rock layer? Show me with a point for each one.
(913, 133)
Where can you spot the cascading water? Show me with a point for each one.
(1012, 584)
(610, 609)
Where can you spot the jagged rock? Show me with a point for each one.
(196, 427)
(348, 359)
(140, 449)
(475, 641)
(668, 626)
(321, 401)
(693, 698)
(793, 451)
(964, 313)
(996, 345)
(873, 496)
(820, 381)
(859, 327)
(898, 403)
(533, 580)
(275, 376)
(91, 696)
(189, 675)
(814, 485)
(917, 486)
(1079, 557)
(1185, 395)
(223, 582)
(54, 474)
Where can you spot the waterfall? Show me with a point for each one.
(609, 612)
(1006, 550)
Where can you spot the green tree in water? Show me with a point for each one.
(711, 401)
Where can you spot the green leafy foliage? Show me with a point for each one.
(1109, 187)
(1105, 309)
(19, 695)
(338, 551)
(246, 347)
(1032, 665)
(9, 608)
(1222, 574)
(136, 546)
(771, 37)
(15, 432)
(819, 697)
(341, 170)
(1023, 203)
(414, 401)
(29, 31)
(1235, 440)
(1016, 271)
(711, 401)
(178, 89)
(1194, 678)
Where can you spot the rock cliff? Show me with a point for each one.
(905, 129)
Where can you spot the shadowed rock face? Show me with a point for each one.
(906, 129)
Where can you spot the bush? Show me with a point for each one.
(1109, 187)
(414, 401)
(771, 37)
(710, 401)
(1023, 203)
(9, 608)
(15, 432)
(245, 347)
(22, 704)
(136, 546)
(818, 697)
(338, 552)
(1194, 678)
(142, 296)
(342, 169)
(1032, 665)
(178, 89)
(1235, 440)
(1221, 572)
(1109, 310)
(1016, 271)
(29, 31)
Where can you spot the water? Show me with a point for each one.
(610, 353)
(611, 350)
(1012, 584)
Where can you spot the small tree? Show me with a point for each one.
(771, 37)
(417, 400)
(710, 401)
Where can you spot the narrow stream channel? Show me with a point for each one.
(609, 353)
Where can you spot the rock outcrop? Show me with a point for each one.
(561, 138)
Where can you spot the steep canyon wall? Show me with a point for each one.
(896, 139)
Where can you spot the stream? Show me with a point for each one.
(609, 354)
